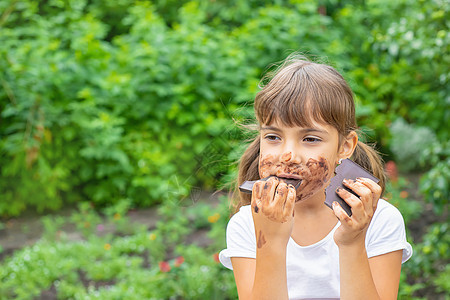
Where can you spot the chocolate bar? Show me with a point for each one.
(247, 186)
(346, 170)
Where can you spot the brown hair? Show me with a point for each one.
(299, 93)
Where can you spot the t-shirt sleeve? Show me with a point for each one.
(240, 237)
(387, 233)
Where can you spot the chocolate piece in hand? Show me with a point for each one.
(346, 170)
(247, 186)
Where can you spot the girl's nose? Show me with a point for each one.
(287, 156)
(290, 156)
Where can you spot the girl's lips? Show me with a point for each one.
(290, 176)
(247, 186)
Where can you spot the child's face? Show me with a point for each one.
(310, 154)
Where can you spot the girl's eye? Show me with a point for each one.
(272, 137)
(311, 139)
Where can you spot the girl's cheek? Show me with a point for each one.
(316, 174)
(266, 164)
(330, 173)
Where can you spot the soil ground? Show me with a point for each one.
(28, 229)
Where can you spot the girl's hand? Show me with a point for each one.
(353, 229)
(272, 209)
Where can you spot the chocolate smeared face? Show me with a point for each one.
(314, 174)
(309, 154)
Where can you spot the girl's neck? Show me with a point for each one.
(313, 221)
(312, 206)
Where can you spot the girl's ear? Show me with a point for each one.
(349, 145)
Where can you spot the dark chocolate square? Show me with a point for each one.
(346, 170)
(247, 186)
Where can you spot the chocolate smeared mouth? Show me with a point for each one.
(289, 176)
(313, 174)
(247, 186)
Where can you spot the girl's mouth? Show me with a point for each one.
(288, 176)
(247, 186)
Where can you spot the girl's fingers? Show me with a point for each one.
(363, 207)
(257, 189)
(277, 205)
(354, 202)
(374, 187)
(256, 195)
(280, 195)
(269, 190)
(275, 199)
(364, 193)
(268, 193)
(340, 213)
(290, 201)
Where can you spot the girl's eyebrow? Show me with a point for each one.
(273, 128)
(303, 130)
(308, 130)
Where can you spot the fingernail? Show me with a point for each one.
(335, 203)
(256, 209)
(338, 190)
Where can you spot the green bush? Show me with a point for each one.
(408, 145)
(398, 65)
(97, 117)
(105, 105)
(435, 185)
(105, 101)
(426, 274)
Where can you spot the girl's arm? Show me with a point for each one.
(385, 271)
(374, 278)
(244, 275)
(263, 277)
(363, 278)
(272, 211)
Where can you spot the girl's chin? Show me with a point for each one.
(311, 195)
(303, 199)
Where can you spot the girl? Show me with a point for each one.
(284, 242)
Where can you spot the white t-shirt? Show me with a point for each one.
(313, 271)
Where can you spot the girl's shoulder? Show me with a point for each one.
(241, 224)
(244, 215)
(385, 214)
(387, 232)
(385, 208)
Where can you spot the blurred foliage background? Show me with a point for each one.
(130, 104)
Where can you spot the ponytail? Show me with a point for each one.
(368, 158)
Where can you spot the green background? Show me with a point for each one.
(109, 106)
